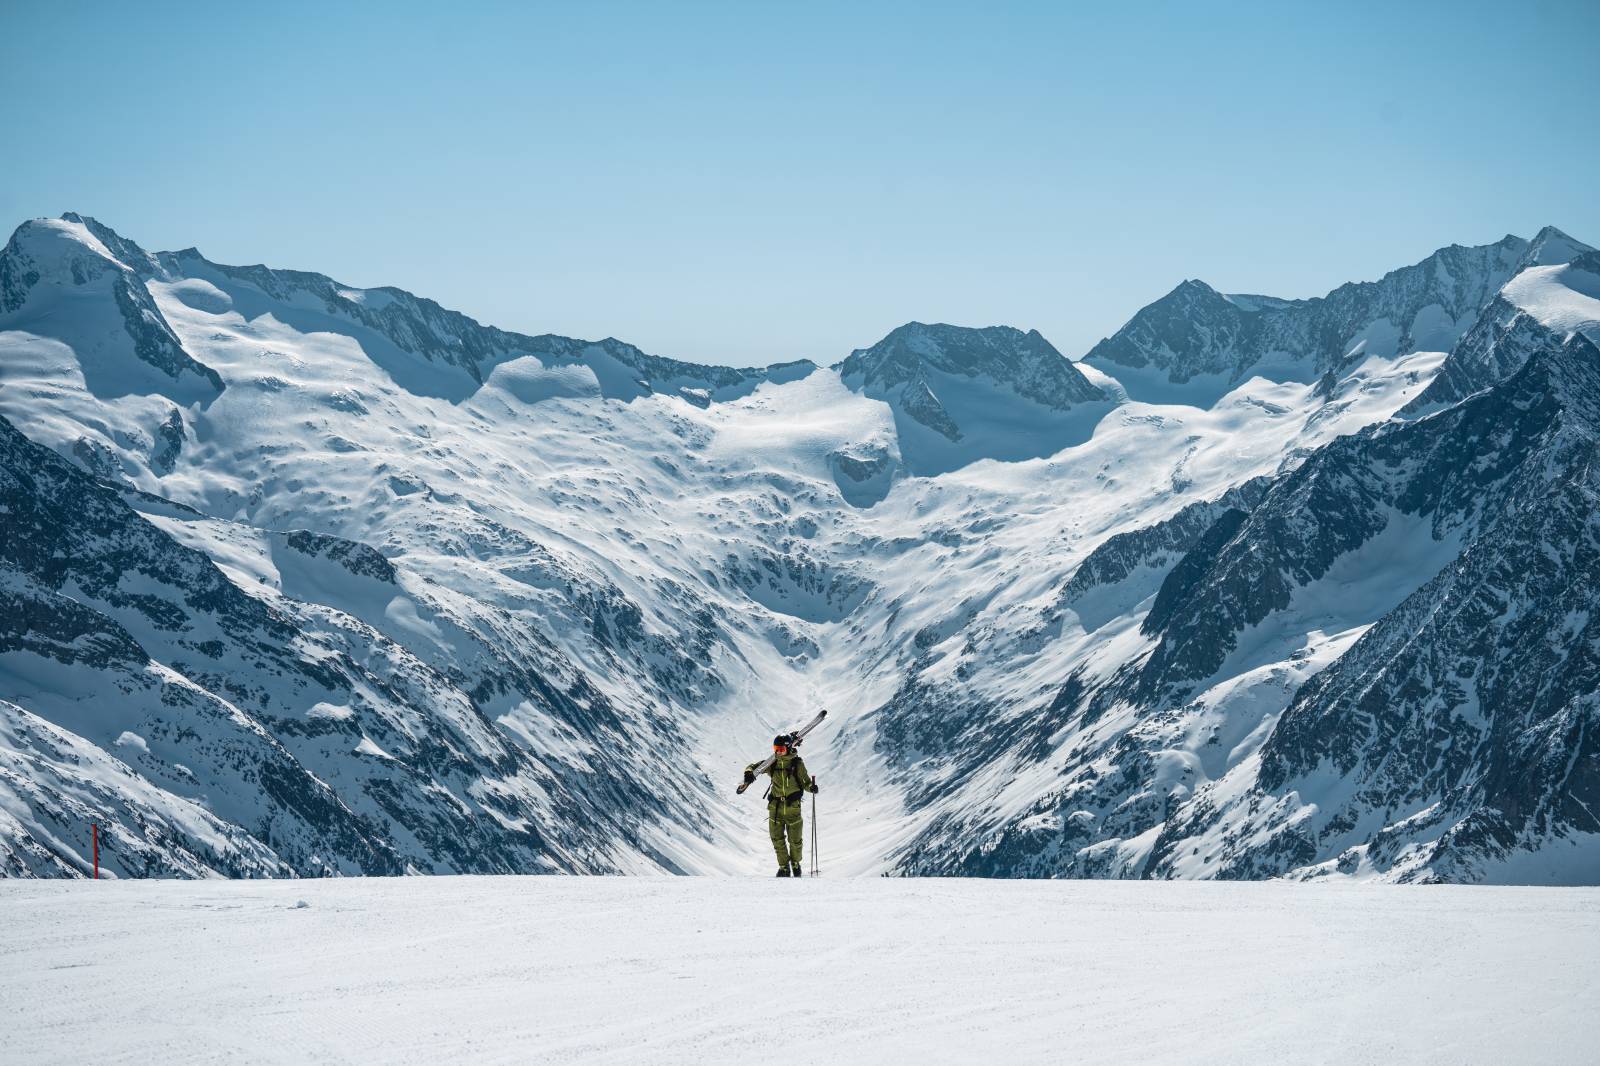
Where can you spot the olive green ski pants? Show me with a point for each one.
(786, 819)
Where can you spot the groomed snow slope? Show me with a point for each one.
(688, 970)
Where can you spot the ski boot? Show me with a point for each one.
(798, 872)
(783, 871)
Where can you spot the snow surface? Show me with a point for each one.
(1563, 298)
(691, 970)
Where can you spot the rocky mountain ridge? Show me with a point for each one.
(1196, 331)
(306, 579)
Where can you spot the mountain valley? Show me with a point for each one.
(305, 579)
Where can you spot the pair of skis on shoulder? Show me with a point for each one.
(795, 738)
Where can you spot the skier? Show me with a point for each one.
(788, 785)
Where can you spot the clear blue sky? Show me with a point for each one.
(746, 183)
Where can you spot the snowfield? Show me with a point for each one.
(691, 970)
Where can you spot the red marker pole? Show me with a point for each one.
(95, 827)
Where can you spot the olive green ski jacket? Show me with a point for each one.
(789, 777)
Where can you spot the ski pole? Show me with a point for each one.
(815, 862)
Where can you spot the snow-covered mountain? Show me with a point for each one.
(1197, 335)
(1554, 295)
(961, 394)
(307, 578)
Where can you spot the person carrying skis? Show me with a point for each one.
(788, 785)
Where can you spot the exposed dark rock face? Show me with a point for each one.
(168, 443)
(1507, 335)
(1156, 545)
(359, 559)
(1457, 731)
(1248, 566)
(335, 749)
(1476, 700)
(921, 404)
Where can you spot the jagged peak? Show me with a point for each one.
(1508, 243)
(1024, 362)
(1194, 286)
(933, 341)
(1192, 292)
(77, 246)
(126, 252)
(70, 250)
(901, 355)
(1547, 233)
(76, 250)
(1195, 330)
(945, 333)
(1551, 247)
(52, 240)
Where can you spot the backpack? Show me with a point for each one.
(797, 762)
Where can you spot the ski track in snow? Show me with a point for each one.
(534, 969)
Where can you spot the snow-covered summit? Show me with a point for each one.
(78, 281)
(1553, 295)
(1192, 330)
(1197, 334)
(1026, 362)
(55, 248)
(960, 393)
(1551, 247)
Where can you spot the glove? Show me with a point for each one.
(813, 784)
(749, 776)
